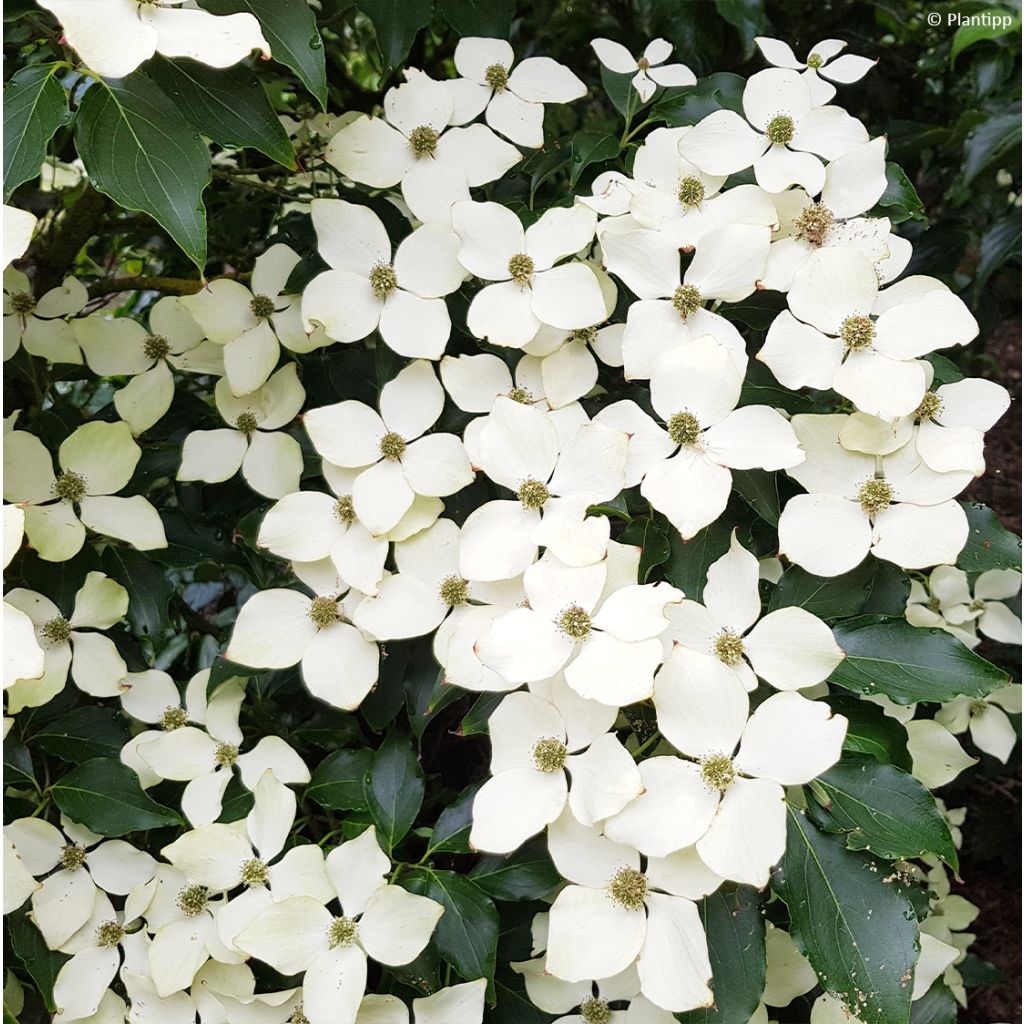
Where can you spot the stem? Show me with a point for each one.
(647, 744)
(167, 285)
(629, 118)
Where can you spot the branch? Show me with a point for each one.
(167, 285)
(56, 253)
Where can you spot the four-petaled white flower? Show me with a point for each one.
(41, 328)
(823, 62)
(649, 70)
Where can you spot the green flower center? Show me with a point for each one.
(247, 423)
(520, 395)
(226, 754)
(683, 428)
(173, 718)
(193, 900)
(72, 856)
(857, 333)
(392, 446)
(549, 754)
(595, 1011)
(875, 496)
(686, 300)
(520, 268)
(628, 888)
(496, 76)
(344, 510)
(262, 307)
(729, 647)
(930, 407)
(588, 335)
(575, 623)
(156, 346)
(423, 140)
(454, 591)
(383, 280)
(691, 191)
(70, 486)
(298, 1017)
(812, 226)
(977, 605)
(254, 872)
(815, 60)
(341, 931)
(780, 130)
(323, 611)
(55, 631)
(22, 302)
(717, 772)
(533, 494)
(934, 605)
(109, 934)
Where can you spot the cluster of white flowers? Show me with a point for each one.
(531, 595)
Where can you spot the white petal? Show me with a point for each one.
(791, 648)
(343, 304)
(722, 143)
(583, 855)
(62, 905)
(478, 152)
(370, 151)
(346, 434)
(415, 327)
(754, 437)
(357, 869)
(403, 607)
(463, 1003)
(614, 672)
(514, 805)
(288, 935)
(561, 231)
(496, 541)
(937, 757)
(915, 537)
(568, 296)
(675, 972)
(418, 101)
(396, 925)
(273, 630)
(491, 235)
(212, 455)
(824, 533)
(437, 465)
(82, 982)
(523, 646)
(614, 56)
(604, 779)
(689, 489)
(682, 874)
(503, 315)
(341, 644)
(334, 985)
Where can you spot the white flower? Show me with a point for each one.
(116, 347)
(513, 99)
(55, 175)
(41, 327)
(843, 333)
(554, 483)
(820, 62)
(463, 1003)
(281, 628)
(410, 145)
(647, 76)
(270, 460)
(474, 382)
(19, 226)
(684, 467)
(789, 648)
(986, 719)
(899, 509)
(377, 920)
(70, 644)
(936, 756)
(366, 290)
(113, 37)
(23, 657)
(96, 461)
(251, 325)
(732, 803)
(613, 915)
(601, 629)
(534, 742)
(787, 133)
(531, 290)
(670, 313)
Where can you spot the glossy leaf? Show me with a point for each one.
(394, 789)
(338, 782)
(527, 874)
(396, 23)
(84, 733)
(989, 544)
(35, 106)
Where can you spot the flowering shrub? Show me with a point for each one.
(523, 579)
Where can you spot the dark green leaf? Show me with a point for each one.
(828, 597)
(936, 1006)
(394, 789)
(687, 565)
(227, 104)
(906, 664)
(989, 544)
(396, 23)
(871, 731)
(998, 245)
(590, 147)
(338, 781)
(747, 17)
(990, 141)
(888, 590)
(84, 733)
(451, 831)
(104, 795)
(475, 721)
(900, 201)
(290, 28)
(852, 921)
(30, 948)
(760, 490)
(757, 310)
(427, 694)
(467, 934)
(651, 536)
(148, 585)
(491, 20)
(761, 388)
(880, 808)
(990, 23)
(35, 106)
(527, 874)
(719, 91)
(139, 152)
(735, 928)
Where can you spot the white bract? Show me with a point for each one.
(649, 70)
(41, 327)
(824, 60)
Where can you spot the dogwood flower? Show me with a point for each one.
(530, 754)
(566, 359)
(70, 644)
(400, 463)
(114, 37)
(647, 75)
(554, 484)
(843, 333)
(627, 916)
(377, 920)
(671, 312)
(42, 327)
(784, 134)
(602, 632)
(464, 1003)
(822, 61)
(413, 145)
(530, 290)
(893, 506)
(96, 462)
(986, 719)
(736, 801)
(123, 347)
(512, 100)
(281, 628)
(366, 289)
(683, 467)
(270, 460)
(19, 226)
(789, 648)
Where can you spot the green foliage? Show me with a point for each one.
(35, 106)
